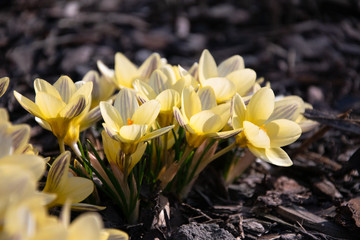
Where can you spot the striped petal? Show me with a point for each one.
(207, 67)
(260, 106)
(224, 89)
(111, 116)
(66, 87)
(125, 71)
(225, 134)
(74, 108)
(255, 135)
(238, 110)
(207, 98)
(230, 65)
(126, 103)
(20, 135)
(28, 105)
(144, 89)
(90, 118)
(4, 84)
(288, 108)
(58, 173)
(243, 79)
(149, 66)
(147, 113)
(282, 132)
(181, 120)
(159, 81)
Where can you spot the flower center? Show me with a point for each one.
(129, 121)
(263, 127)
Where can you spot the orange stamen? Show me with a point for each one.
(129, 121)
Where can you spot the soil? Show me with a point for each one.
(306, 48)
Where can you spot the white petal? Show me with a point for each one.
(256, 135)
(207, 98)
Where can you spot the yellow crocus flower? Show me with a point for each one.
(226, 79)
(64, 186)
(263, 135)
(201, 117)
(60, 106)
(126, 72)
(129, 123)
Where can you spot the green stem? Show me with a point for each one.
(187, 151)
(222, 151)
(126, 169)
(61, 145)
(165, 139)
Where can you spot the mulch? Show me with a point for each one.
(306, 48)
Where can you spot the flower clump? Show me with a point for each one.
(159, 124)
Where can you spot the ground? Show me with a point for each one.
(307, 48)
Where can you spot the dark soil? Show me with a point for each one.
(307, 48)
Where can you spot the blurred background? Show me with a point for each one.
(310, 48)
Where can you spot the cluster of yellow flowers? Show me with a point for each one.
(171, 117)
(23, 208)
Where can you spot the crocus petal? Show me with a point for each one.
(260, 106)
(159, 81)
(66, 87)
(224, 89)
(231, 64)
(125, 71)
(43, 123)
(41, 85)
(126, 103)
(256, 135)
(168, 70)
(146, 113)
(111, 116)
(287, 108)
(4, 83)
(223, 110)
(132, 133)
(207, 67)
(83, 89)
(282, 132)
(87, 226)
(243, 79)
(144, 89)
(105, 71)
(74, 108)
(76, 189)
(190, 103)
(149, 66)
(50, 106)
(181, 120)
(238, 110)
(32, 163)
(278, 157)
(6, 141)
(57, 176)
(225, 134)
(90, 118)
(207, 98)
(156, 133)
(4, 116)
(29, 105)
(137, 155)
(206, 122)
(20, 135)
(168, 99)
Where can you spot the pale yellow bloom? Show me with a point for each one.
(129, 123)
(59, 107)
(264, 136)
(61, 182)
(201, 117)
(226, 79)
(113, 152)
(126, 72)
(4, 84)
